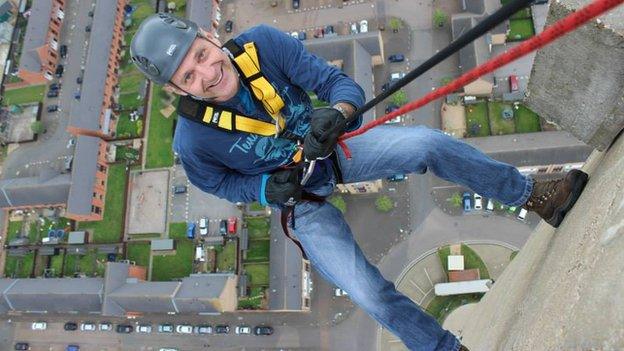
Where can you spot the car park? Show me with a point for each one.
(190, 230)
(242, 329)
(203, 329)
(228, 26)
(354, 28)
(184, 329)
(165, 328)
(223, 227)
(179, 189)
(490, 205)
(396, 58)
(363, 26)
(39, 326)
(222, 329)
(52, 108)
(52, 93)
(231, 225)
(124, 328)
(144, 328)
(522, 214)
(203, 226)
(22, 346)
(69, 326)
(87, 326)
(105, 326)
(466, 202)
(263, 330)
(478, 202)
(63, 51)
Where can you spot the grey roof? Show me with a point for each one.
(36, 33)
(286, 288)
(107, 249)
(46, 251)
(199, 290)
(148, 297)
(83, 174)
(244, 239)
(59, 295)
(200, 12)
(474, 53)
(86, 114)
(76, 237)
(115, 276)
(5, 7)
(29, 191)
(162, 244)
(76, 250)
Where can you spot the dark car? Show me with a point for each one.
(179, 189)
(52, 93)
(466, 201)
(59, 71)
(124, 328)
(190, 230)
(22, 346)
(55, 86)
(222, 329)
(228, 26)
(396, 58)
(63, 51)
(223, 227)
(302, 35)
(77, 95)
(329, 29)
(396, 177)
(263, 330)
(52, 108)
(88, 28)
(79, 80)
(70, 326)
(72, 348)
(391, 108)
(295, 4)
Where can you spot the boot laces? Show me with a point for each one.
(546, 190)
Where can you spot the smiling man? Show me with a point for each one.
(243, 107)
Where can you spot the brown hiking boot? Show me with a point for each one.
(463, 348)
(553, 199)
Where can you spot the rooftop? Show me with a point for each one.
(36, 34)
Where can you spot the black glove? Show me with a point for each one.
(322, 138)
(282, 186)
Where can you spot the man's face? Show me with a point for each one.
(206, 71)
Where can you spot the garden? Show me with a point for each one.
(256, 262)
(180, 265)
(498, 118)
(160, 131)
(20, 96)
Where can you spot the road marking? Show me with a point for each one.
(429, 278)
(417, 287)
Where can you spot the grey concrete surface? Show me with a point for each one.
(147, 211)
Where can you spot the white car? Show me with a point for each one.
(354, 28)
(88, 326)
(39, 326)
(71, 142)
(167, 349)
(295, 35)
(339, 292)
(396, 76)
(203, 226)
(522, 214)
(490, 205)
(478, 202)
(184, 329)
(363, 26)
(105, 326)
(144, 328)
(165, 328)
(243, 329)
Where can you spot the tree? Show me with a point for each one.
(399, 98)
(395, 24)
(384, 203)
(446, 80)
(439, 18)
(37, 127)
(339, 202)
(455, 200)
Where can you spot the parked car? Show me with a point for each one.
(396, 177)
(232, 225)
(295, 4)
(144, 328)
(52, 108)
(513, 82)
(165, 328)
(263, 330)
(69, 326)
(223, 227)
(71, 142)
(466, 201)
(242, 329)
(295, 35)
(391, 108)
(77, 95)
(88, 326)
(490, 205)
(396, 76)
(105, 326)
(179, 189)
(190, 230)
(319, 33)
(184, 329)
(203, 226)
(59, 71)
(124, 328)
(72, 348)
(52, 93)
(354, 28)
(88, 28)
(63, 51)
(22, 346)
(167, 349)
(222, 329)
(55, 86)
(522, 214)
(363, 26)
(396, 58)
(339, 292)
(228, 26)
(329, 30)
(203, 329)
(200, 253)
(79, 80)
(39, 326)
(302, 35)
(478, 202)
(67, 164)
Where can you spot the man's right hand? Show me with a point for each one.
(283, 186)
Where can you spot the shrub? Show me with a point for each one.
(384, 203)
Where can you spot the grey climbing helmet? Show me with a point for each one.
(160, 44)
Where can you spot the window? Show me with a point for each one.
(306, 302)
(96, 209)
(94, 194)
(102, 182)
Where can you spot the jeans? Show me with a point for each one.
(379, 153)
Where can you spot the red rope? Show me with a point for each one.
(551, 33)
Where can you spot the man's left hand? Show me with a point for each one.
(323, 136)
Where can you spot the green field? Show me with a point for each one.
(472, 260)
(56, 263)
(258, 251)
(226, 257)
(258, 273)
(139, 253)
(498, 124)
(520, 29)
(178, 230)
(127, 128)
(109, 229)
(527, 121)
(477, 120)
(160, 134)
(258, 227)
(19, 96)
(166, 268)
(20, 266)
(14, 229)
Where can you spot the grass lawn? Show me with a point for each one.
(253, 301)
(24, 95)
(160, 134)
(524, 13)
(139, 253)
(109, 229)
(255, 206)
(520, 29)
(56, 263)
(166, 268)
(130, 83)
(258, 227)
(498, 124)
(527, 121)
(86, 264)
(258, 251)
(130, 101)
(71, 265)
(14, 230)
(127, 128)
(100, 264)
(258, 273)
(442, 306)
(20, 266)
(443, 254)
(477, 120)
(124, 153)
(472, 260)
(178, 231)
(226, 257)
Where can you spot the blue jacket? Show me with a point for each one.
(235, 166)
